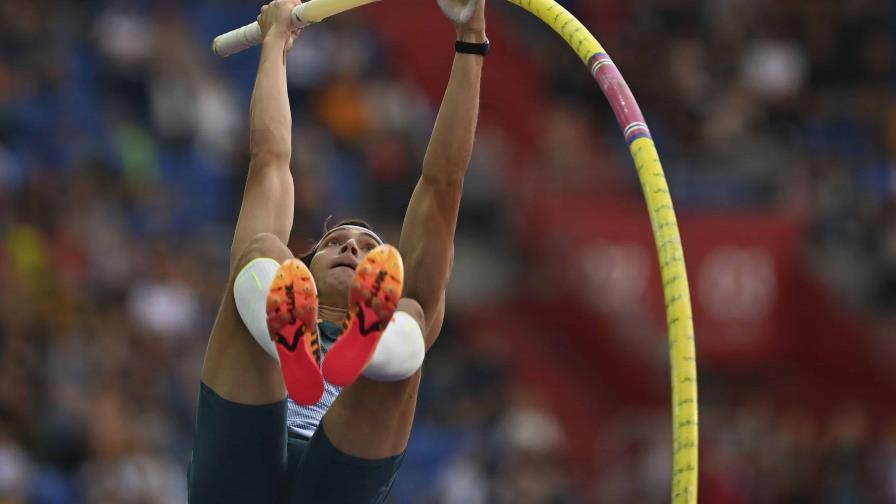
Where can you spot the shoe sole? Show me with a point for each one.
(373, 298)
(292, 324)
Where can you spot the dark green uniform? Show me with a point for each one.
(245, 454)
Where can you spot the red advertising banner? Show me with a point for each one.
(739, 269)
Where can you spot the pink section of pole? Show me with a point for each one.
(626, 109)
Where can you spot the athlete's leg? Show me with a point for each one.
(373, 419)
(355, 454)
(239, 446)
(236, 367)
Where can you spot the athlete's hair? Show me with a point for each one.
(328, 226)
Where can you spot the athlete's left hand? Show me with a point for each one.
(475, 26)
(473, 30)
(275, 20)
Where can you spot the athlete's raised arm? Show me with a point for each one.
(268, 198)
(427, 237)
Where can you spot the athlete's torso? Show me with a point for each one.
(303, 420)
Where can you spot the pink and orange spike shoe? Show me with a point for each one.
(292, 323)
(373, 297)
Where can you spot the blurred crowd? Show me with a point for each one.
(756, 451)
(123, 149)
(775, 106)
(780, 106)
(758, 104)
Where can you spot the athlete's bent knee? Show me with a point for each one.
(412, 308)
(262, 245)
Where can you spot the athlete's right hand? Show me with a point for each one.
(275, 20)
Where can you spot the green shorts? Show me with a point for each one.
(243, 454)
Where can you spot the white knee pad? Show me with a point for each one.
(400, 351)
(250, 291)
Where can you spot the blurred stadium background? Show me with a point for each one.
(123, 149)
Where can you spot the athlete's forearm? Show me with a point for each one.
(270, 122)
(427, 237)
(451, 144)
(268, 199)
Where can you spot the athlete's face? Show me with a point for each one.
(333, 266)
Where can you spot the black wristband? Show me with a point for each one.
(471, 48)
